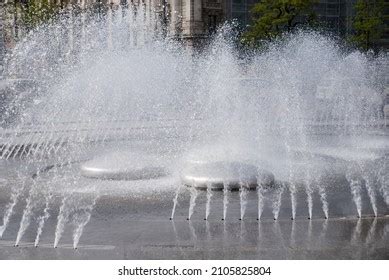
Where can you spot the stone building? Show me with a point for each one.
(194, 20)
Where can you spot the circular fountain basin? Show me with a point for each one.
(220, 174)
(124, 166)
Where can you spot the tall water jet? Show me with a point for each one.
(244, 190)
(226, 192)
(76, 208)
(309, 192)
(384, 188)
(192, 201)
(383, 178)
(323, 200)
(62, 219)
(175, 202)
(43, 218)
(369, 183)
(208, 202)
(293, 198)
(261, 201)
(356, 192)
(10, 207)
(276, 200)
(80, 220)
(31, 202)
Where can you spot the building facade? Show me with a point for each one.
(336, 15)
(194, 20)
(239, 10)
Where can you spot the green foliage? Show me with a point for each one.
(273, 17)
(36, 12)
(367, 23)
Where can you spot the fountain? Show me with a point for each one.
(110, 167)
(123, 112)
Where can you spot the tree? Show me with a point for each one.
(273, 17)
(36, 12)
(367, 23)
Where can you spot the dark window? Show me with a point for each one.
(212, 23)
